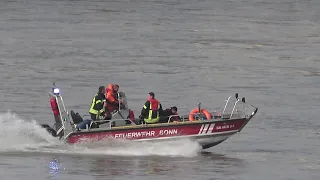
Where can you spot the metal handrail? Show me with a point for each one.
(60, 114)
(119, 103)
(185, 108)
(235, 104)
(225, 106)
(110, 122)
(174, 116)
(86, 116)
(170, 117)
(183, 118)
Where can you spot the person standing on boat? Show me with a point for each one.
(112, 102)
(151, 110)
(97, 106)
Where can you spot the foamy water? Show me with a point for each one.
(17, 134)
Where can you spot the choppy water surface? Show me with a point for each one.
(186, 52)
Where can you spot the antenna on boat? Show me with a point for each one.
(53, 85)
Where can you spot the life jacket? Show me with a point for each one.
(111, 97)
(109, 89)
(154, 104)
(54, 106)
(153, 114)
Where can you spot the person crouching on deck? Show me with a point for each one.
(170, 113)
(151, 110)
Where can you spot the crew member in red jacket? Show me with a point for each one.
(151, 110)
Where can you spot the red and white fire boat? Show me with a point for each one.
(207, 128)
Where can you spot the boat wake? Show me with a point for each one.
(18, 135)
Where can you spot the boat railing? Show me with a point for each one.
(236, 108)
(63, 114)
(246, 110)
(229, 107)
(89, 117)
(181, 117)
(83, 116)
(225, 106)
(181, 114)
(110, 124)
(111, 121)
(184, 108)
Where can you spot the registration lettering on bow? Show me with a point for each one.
(227, 126)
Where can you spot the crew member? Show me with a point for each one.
(97, 107)
(151, 110)
(173, 112)
(112, 98)
(112, 102)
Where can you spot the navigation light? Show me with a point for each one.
(56, 91)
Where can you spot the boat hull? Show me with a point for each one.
(206, 133)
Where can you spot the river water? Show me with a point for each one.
(186, 52)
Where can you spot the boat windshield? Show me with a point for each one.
(122, 98)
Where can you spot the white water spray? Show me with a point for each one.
(17, 134)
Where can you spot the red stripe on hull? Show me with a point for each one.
(206, 128)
